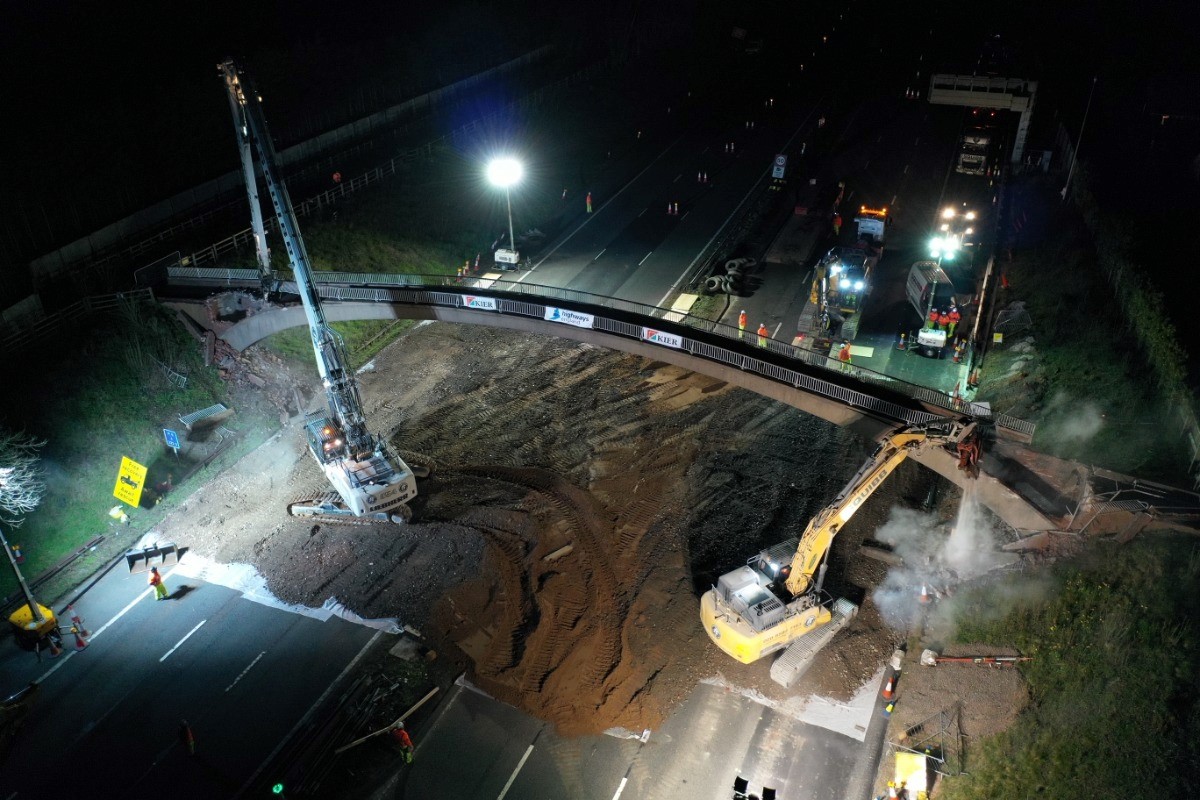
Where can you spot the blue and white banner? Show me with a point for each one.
(568, 317)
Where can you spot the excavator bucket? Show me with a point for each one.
(160, 554)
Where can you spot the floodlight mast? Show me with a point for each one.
(371, 479)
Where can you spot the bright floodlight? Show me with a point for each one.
(504, 172)
(948, 213)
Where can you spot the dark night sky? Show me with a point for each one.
(108, 103)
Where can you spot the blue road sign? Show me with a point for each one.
(172, 438)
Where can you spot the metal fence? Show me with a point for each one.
(426, 290)
(69, 316)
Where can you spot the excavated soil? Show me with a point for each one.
(581, 500)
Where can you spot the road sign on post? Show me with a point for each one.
(130, 482)
(779, 167)
(172, 439)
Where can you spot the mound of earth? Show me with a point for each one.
(580, 503)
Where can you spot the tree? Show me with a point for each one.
(22, 479)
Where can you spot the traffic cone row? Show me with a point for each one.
(958, 351)
(80, 641)
(701, 177)
(55, 650)
(673, 209)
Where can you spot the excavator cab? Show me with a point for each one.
(325, 439)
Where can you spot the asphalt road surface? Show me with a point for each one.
(105, 722)
(480, 749)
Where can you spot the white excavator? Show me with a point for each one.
(372, 482)
(776, 602)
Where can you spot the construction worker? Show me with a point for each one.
(402, 740)
(589, 202)
(955, 318)
(186, 737)
(843, 357)
(742, 324)
(763, 334)
(932, 322)
(160, 588)
(944, 320)
(837, 224)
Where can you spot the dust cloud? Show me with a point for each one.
(936, 556)
(1076, 421)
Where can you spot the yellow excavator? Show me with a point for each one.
(775, 602)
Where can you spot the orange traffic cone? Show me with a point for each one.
(903, 342)
(80, 642)
(668, 209)
(75, 618)
(889, 691)
(55, 650)
(924, 598)
(892, 790)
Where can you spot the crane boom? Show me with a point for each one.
(370, 479)
(777, 597)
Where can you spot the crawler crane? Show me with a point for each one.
(371, 480)
(776, 602)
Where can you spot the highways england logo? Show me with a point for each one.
(568, 317)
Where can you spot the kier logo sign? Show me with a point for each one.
(482, 303)
(660, 337)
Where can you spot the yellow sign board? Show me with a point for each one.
(997, 338)
(130, 482)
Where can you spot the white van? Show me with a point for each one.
(927, 279)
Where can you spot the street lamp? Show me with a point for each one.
(503, 173)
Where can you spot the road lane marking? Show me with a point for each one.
(597, 258)
(644, 210)
(917, 142)
(643, 261)
(242, 674)
(621, 788)
(178, 644)
(776, 331)
(724, 224)
(307, 714)
(542, 260)
(906, 169)
(677, 177)
(894, 199)
(681, 219)
(513, 777)
(103, 628)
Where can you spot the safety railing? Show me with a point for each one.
(71, 315)
(424, 290)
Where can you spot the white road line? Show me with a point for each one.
(906, 169)
(775, 332)
(918, 141)
(713, 238)
(621, 788)
(304, 720)
(894, 199)
(681, 219)
(102, 629)
(513, 777)
(167, 654)
(643, 261)
(542, 260)
(644, 210)
(597, 258)
(242, 674)
(677, 177)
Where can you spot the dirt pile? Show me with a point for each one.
(581, 501)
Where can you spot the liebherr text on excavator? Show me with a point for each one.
(371, 480)
(776, 601)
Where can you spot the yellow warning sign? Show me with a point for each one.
(130, 481)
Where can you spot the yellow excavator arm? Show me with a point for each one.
(768, 604)
(818, 536)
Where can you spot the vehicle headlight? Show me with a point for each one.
(845, 284)
(858, 286)
(835, 269)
